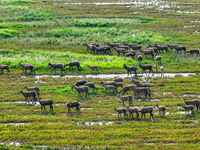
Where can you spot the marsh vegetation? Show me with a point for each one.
(38, 32)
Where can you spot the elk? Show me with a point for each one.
(120, 84)
(73, 104)
(157, 58)
(29, 94)
(162, 68)
(114, 45)
(155, 66)
(27, 66)
(140, 84)
(108, 83)
(83, 89)
(46, 102)
(89, 46)
(99, 49)
(139, 57)
(145, 110)
(93, 67)
(3, 67)
(118, 80)
(109, 87)
(171, 46)
(194, 102)
(120, 111)
(139, 90)
(180, 48)
(80, 82)
(161, 48)
(161, 108)
(130, 68)
(148, 52)
(120, 50)
(72, 64)
(192, 51)
(130, 55)
(55, 66)
(128, 98)
(189, 108)
(37, 89)
(138, 47)
(132, 110)
(90, 85)
(146, 67)
(126, 88)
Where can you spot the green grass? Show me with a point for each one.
(38, 32)
(40, 128)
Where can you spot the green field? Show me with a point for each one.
(39, 32)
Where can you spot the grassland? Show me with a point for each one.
(40, 31)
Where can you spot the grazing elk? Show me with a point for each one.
(161, 48)
(80, 82)
(126, 88)
(83, 89)
(109, 87)
(55, 66)
(139, 90)
(120, 50)
(130, 55)
(108, 83)
(118, 80)
(73, 104)
(140, 84)
(179, 48)
(91, 85)
(128, 98)
(27, 66)
(93, 67)
(46, 102)
(145, 110)
(99, 49)
(89, 46)
(189, 108)
(194, 102)
(192, 51)
(147, 52)
(132, 110)
(157, 58)
(114, 45)
(72, 64)
(3, 67)
(161, 108)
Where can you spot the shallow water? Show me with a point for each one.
(11, 143)
(190, 95)
(91, 123)
(86, 108)
(18, 123)
(104, 76)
